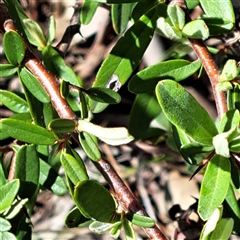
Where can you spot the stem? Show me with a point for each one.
(51, 85)
(213, 73)
(209, 65)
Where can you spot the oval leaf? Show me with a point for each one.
(147, 79)
(196, 29)
(75, 218)
(103, 95)
(120, 16)
(15, 208)
(9, 192)
(74, 168)
(223, 229)
(27, 132)
(140, 220)
(87, 11)
(27, 170)
(176, 15)
(62, 126)
(55, 63)
(100, 227)
(112, 136)
(90, 146)
(13, 47)
(34, 33)
(34, 86)
(145, 103)
(211, 223)
(51, 30)
(214, 186)
(127, 53)
(94, 201)
(7, 70)
(5, 225)
(50, 179)
(181, 108)
(219, 9)
(7, 236)
(13, 101)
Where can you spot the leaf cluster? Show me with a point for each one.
(44, 139)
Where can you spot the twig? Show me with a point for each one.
(209, 65)
(50, 84)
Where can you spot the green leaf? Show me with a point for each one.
(141, 8)
(176, 15)
(139, 220)
(215, 186)
(115, 231)
(218, 26)
(103, 95)
(34, 86)
(196, 29)
(15, 208)
(62, 126)
(230, 120)
(181, 108)
(8, 194)
(34, 33)
(50, 179)
(83, 105)
(49, 113)
(7, 70)
(90, 146)
(35, 107)
(220, 15)
(120, 16)
(5, 225)
(236, 97)
(101, 227)
(75, 218)
(13, 101)
(7, 236)
(165, 29)
(74, 168)
(3, 178)
(147, 79)
(211, 223)
(27, 170)
(55, 63)
(127, 53)
(193, 148)
(144, 103)
(234, 145)
(112, 136)
(232, 208)
(219, 9)
(20, 116)
(13, 47)
(221, 143)
(51, 30)
(87, 11)
(230, 71)
(94, 201)
(223, 229)
(27, 132)
(128, 229)
(192, 3)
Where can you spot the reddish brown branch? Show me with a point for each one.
(125, 196)
(209, 65)
(213, 73)
(50, 84)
